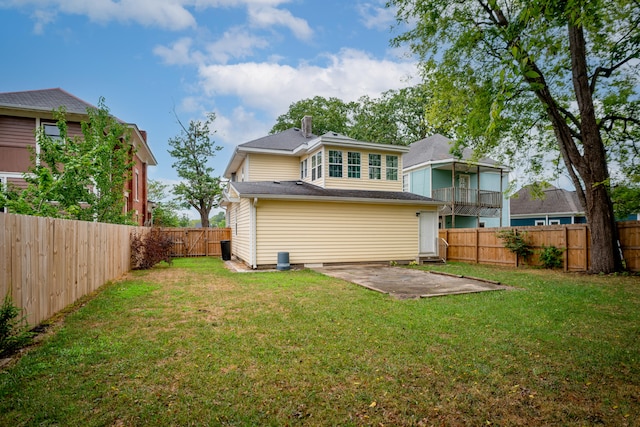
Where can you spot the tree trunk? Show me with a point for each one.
(605, 256)
(204, 218)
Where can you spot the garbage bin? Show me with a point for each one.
(225, 246)
(283, 261)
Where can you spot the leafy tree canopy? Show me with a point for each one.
(396, 117)
(191, 150)
(533, 81)
(81, 177)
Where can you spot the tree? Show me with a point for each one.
(549, 75)
(191, 151)
(329, 115)
(626, 200)
(396, 117)
(80, 178)
(165, 211)
(218, 220)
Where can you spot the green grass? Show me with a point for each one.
(193, 344)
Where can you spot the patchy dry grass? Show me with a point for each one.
(194, 344)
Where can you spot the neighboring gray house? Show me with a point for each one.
(558, 206)
(473, 190)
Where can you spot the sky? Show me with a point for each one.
(245, 60)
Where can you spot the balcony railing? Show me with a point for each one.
(469, 197)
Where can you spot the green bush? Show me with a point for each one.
(516, 243)
(551, 257)
(14, 330)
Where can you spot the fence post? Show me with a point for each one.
(477, 244)
(566, 248)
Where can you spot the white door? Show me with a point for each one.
(428, 233)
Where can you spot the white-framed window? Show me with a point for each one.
(392, 168)
(52, 131)
(335, 163)
(554, 222)
(540, 222)
(353, 162)
(375, 166)
(136, 185)
(405, 182)
(303, 169)
(316, 166)
(482, 224)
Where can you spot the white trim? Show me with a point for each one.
(253, 238)
(342, 199)
(37, 141)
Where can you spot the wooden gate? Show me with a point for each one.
(192, 242)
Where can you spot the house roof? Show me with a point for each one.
(293, 142)
(436, 148)
(300, 190)
(287, 140)
(556, 200)
(45, 100)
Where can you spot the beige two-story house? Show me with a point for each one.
(324, 199)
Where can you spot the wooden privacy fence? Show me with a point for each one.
(50, 263)
(192, 242)
(483, 246)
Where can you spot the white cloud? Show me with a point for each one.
(272, 87)
(376, 16)
(235, 43)
(178, 53)
(240, 127)
(167, 14)
(268, 16)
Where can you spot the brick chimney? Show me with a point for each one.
(306, 126)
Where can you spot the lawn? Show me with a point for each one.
(194, 344)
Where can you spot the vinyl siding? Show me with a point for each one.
(241, 230)
(264, 167)
(16, 134)
(316, 232)
(362, 183)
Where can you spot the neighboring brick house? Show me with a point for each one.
(21, 113)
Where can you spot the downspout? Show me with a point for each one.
(253, 239)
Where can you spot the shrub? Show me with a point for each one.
(14, 330)
(516, 243)
(551, 257)
(150, 249)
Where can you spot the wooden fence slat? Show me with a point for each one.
(50, 263)
(574, 239)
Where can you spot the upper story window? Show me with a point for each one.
(392, 168)
(375, 166)
(353, 169)
(303, 169)
(316, 166)
(136, 184)
(335, 163)
(52, 131)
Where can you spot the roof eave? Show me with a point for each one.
(367, 200)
